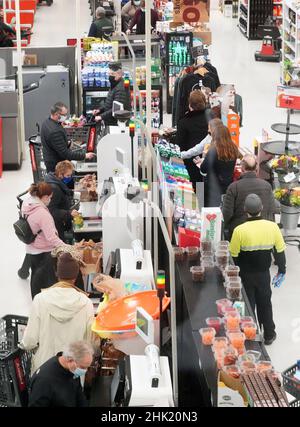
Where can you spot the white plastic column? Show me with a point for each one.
(78, 47)
(20, 79)
(117, 7)
(148, 65)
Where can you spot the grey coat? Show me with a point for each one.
(233, 204)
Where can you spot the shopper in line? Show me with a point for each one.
(251, 246)
(190, 130)
(55, 141)
(128, 12)
(57, 383)
(218, 166)
(200, 148)
(41, 222)
(101, 25)
(59, 315)
(117, 92)
(234, 200)
(139, 19)
(61, 201)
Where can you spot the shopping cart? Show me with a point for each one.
(36, 157)
(15, 363)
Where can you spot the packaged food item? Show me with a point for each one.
(232, 321)
(248, 367)
(214, 322)
(198, 273)
(233, 291)
(219, 343)
(178, 254)
(222, 258)
(246, 319)
(206, 253)
(208, 335)
(192, 253)
(247, 357)
(230, 356)
(237, 340)
(254, 354)
(232, 271)
(222, 303)
(232, 370)
(229, 309)
(249, 330)
(264, 366)
(206, 245)
(222, 244)
(208, 264)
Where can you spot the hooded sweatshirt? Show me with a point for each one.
(39, 218)
(59, 316)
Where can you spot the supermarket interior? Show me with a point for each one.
(192, 276)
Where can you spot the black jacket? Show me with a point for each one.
(191, 129)
(60, 204)
(118, 93)
(55, 145)
(189, 83)
(234, 200)
(52, 386)
(219, 175)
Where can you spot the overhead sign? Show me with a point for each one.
(288, 97)
(190, 11)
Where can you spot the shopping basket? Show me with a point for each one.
(15, 363)
(291, 385)
(78, 133)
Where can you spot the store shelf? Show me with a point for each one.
(243, 14)
(243, 30)
(289, 56)
(290, 22)
(291, 46)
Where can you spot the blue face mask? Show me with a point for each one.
(67, 179)
(79, 372)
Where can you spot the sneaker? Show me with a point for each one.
(23, 274)
(270, 340)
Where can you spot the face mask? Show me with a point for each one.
(143, 9)
(79, 372)
(137, 3)
(67, 179)
(62, 119)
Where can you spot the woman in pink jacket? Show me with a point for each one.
(42, 224)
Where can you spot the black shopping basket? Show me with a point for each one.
(291, 385)
(15, 363)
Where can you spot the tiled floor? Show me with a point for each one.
(233, 55)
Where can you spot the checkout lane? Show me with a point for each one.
(198, 372)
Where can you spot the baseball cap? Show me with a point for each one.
(253, 204)
(115, 66)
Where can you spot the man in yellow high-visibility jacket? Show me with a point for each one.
(251, 246)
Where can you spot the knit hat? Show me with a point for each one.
(67, 267)
(115, 66)
(253, 204)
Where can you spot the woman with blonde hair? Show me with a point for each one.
(218, 166)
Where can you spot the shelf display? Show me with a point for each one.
(290, 42)
(156, 106)
(178, 56)
(253, 13)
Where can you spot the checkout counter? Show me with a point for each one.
(195, 302)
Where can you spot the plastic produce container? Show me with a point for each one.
(246, 319)
(233, 371)
(178, 254)
(206, 245)
(237, 340)
(264, 366)
(214, 322)
(208, 335)
(248, 367)
(233, 291)
(198, 273)
(222, 244)
(232, 321)
(219, 343)
(232, 271)
(249, 330)
(230, 356)
(222, 258)
(192, 253)
(221, 303)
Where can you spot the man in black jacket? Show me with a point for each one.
(56, 384)
(61, 201)
(55, 141)
(117, 92)
(234, 200)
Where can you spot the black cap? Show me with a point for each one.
(115, 66)
(253, 204)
